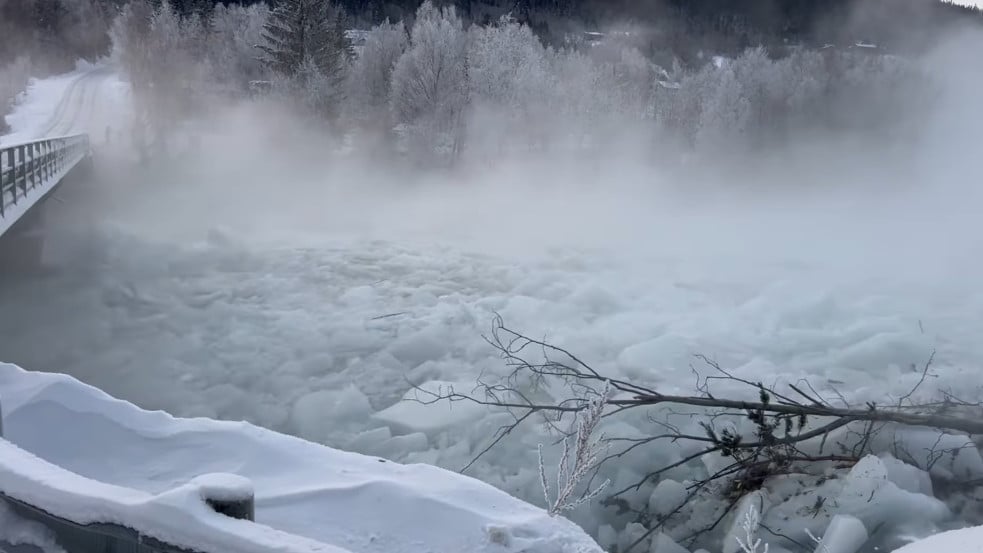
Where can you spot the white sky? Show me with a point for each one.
(977, 3)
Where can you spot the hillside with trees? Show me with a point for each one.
(443, 88)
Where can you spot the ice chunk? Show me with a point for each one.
(595, 299)
(947, 456)
(407, 443)
(420, 411)
(632, 533)
(359, 295)
(714, 462)
(607, 536)
(314, 415)
(907, 477)
(664, 544)
(419, 347)
(370, 441)
(845, 534)
(668, 496)
(664, 352)
(869, 495)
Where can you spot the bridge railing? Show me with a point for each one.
(33, 165)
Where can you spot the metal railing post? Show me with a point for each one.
(45, 161)
(4, 177)
(35, 166)
(22, 155)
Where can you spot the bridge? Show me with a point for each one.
(29, 173)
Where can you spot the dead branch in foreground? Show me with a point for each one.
(782, 421)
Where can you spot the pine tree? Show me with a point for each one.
(301, 30)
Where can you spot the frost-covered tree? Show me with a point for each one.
(509, 84)
(370, 78)
(306, 46)
(161, 54)
(130, 46)
(302, 30)
(582, 96)
(726, 111)
(755, 100)
(233, 44)
(507, 64)
(634, 78)
(54, 33)
(429, 88)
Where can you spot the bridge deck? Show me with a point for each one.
(30, 171)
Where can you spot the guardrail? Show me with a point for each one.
(86, 516)
(27, 167)
(91, 538)
(106, 529)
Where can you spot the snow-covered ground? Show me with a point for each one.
(83, 101)
(230, 288)
(964, 540)
(146, 470)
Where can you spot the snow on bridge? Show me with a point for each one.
(31, 170)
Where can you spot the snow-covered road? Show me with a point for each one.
(86, 100)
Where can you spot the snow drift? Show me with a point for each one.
(82, 455)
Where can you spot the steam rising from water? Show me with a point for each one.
(871, 205)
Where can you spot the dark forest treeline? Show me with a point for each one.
(685, 29)
(59, 31)
(41, 37)
(720, 26)
(54, 33)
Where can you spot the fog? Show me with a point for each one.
(886, 205)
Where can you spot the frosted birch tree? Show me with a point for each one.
(509, 85)
(233, 44)
(429, 88)
(370, 78)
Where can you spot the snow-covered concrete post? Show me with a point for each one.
(228, 494)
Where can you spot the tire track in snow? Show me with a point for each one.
(78, 98)
(60, 108)
(77, 103)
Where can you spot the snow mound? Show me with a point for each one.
(224, 487)
(307, 495)
(845, 534)
(965, 540)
